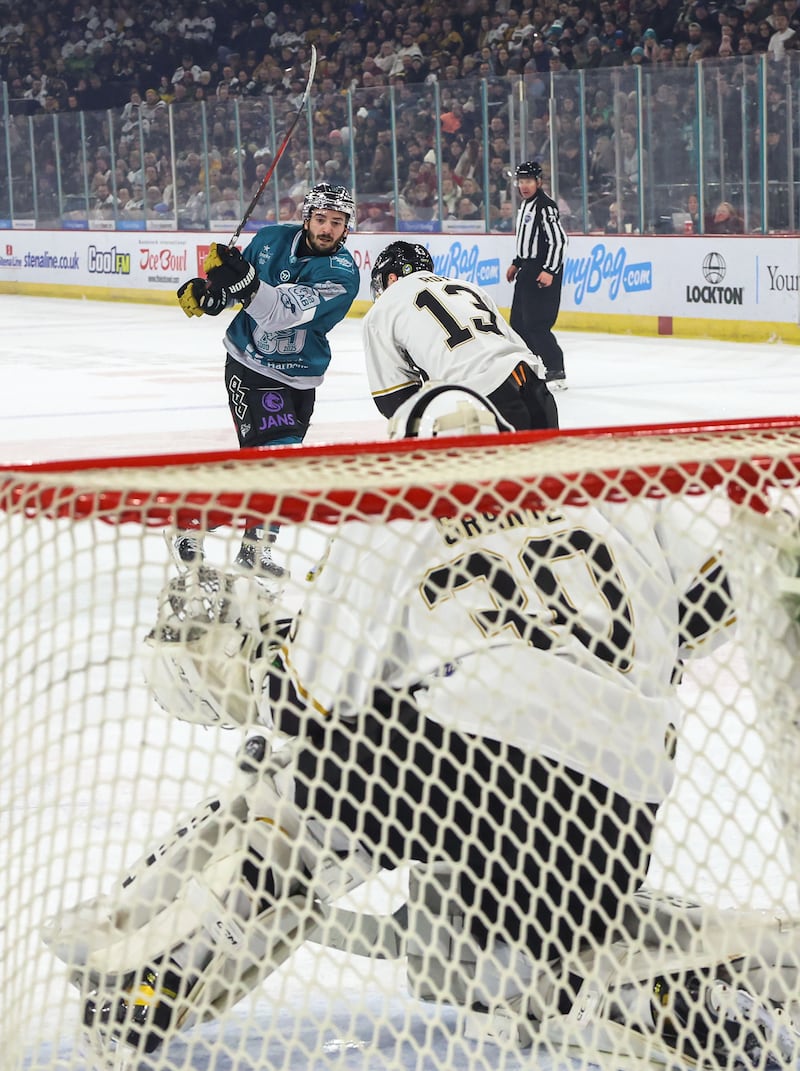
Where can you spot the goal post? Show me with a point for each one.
(541, 605)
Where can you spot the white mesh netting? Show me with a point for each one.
(511, 781)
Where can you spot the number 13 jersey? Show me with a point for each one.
(425, 327)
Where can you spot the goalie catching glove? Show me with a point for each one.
(229, 273)
(207, 658)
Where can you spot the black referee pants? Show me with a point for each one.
(534, 311)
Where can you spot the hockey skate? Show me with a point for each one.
(255, 556)
(187, 549)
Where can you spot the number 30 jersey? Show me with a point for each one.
(558, 632)
(425, 327)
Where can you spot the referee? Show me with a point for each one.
(537, 271)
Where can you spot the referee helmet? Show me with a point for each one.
(530, 169)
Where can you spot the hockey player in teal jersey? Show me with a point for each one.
(294, 283)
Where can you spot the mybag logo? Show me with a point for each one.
(608, 268)
(464, 262)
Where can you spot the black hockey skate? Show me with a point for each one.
(711, 1018)
(259, 561)
(136, 1017)
(188, 549)
(255, 555)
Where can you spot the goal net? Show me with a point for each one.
(512, 777)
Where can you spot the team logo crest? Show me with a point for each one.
(272, 401)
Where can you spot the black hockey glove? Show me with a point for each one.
(196, 298)
(228, 270)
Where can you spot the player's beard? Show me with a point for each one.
(323, 244)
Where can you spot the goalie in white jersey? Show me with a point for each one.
(496, 692)
(429, 328)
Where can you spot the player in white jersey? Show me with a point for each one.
(429, 328)
(497, 692)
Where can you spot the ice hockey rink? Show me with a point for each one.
(85, 379)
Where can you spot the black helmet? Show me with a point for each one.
(399, 258)
(529, 169)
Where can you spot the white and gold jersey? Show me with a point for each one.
(556, 631)
(428, 328)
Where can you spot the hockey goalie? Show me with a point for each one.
(491, 698)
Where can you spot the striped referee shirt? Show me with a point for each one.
(541, 238)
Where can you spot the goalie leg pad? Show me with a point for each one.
(114, 927)
(155, 903)
(676, 984)
(208, 915)
(137, 1012)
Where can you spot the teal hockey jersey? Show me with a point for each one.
(283, 331)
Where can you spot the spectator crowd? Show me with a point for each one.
(139, 59)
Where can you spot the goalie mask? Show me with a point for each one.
(327, 198)
(442, 409)
(399, 258)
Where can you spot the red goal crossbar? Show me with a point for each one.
(409, 478)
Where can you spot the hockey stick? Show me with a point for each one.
(281, 148)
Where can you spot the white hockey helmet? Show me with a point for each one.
(326, 197)
(445, 409)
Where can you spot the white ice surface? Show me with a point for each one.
(85, 378)
(82, 379)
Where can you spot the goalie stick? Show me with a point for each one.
(281, 149)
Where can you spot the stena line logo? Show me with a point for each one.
(713, 291)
